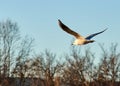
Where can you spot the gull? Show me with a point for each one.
(80, 40)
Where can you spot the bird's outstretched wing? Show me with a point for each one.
(68, 30)
(92, 35)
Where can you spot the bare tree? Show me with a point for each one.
(78, 67)
(49, 67)
(9, 36)
(109, 66)
(23, 54)
(13, 50)
(43, 66)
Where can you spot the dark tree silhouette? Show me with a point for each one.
(9, 36)
(78, 68)
(11, 46)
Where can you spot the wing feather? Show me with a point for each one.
(92, 35)
(68, 30)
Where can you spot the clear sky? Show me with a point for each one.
(38, 19)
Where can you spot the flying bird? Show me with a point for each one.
(80, 40)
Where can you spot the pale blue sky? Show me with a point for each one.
(38, 19)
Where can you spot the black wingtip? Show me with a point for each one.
(59, 20)
(105, 29)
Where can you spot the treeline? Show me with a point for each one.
(19, 68)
